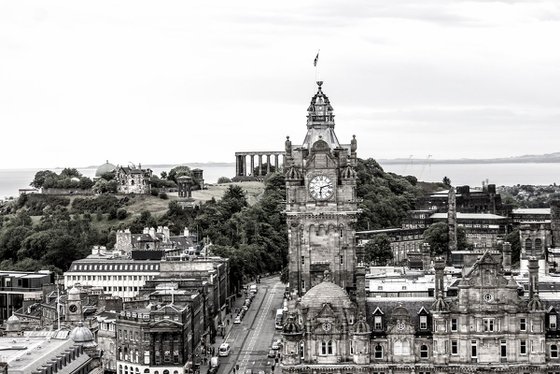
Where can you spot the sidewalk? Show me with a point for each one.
(237, 304)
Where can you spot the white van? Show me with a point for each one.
(224, 350)
(253, 288)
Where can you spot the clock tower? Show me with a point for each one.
(321, 202)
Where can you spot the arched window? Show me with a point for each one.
(538, 245)
(301, 350)
(323, 347)
(120, 369)
(378, 351)
(330, 347)
(528, 246)
(147, 371)
(553, 351)
(166, 372)
(423, 351)
(126, 370)
(137, 370)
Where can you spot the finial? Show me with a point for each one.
(327, 276)
(319, 83)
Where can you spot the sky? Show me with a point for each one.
(174, 82)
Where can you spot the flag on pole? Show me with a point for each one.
(316, 59)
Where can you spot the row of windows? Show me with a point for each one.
(378, 322)
(110, 277)
(116, 267)
(125, 370)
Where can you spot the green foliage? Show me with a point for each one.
(437, 236)
(515, 241)
(378, 250)
(122, 214)
(223, 180)
(67, 179)
(178, 171)
(37, 203)
(156, 182)
(104, 186)
(162, 195)
(386, 197)
(101, 203)
(446, 181)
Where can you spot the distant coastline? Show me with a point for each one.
(549, 158)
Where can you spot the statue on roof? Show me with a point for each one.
(288, 145)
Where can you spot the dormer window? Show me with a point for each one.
(423, 322)
(552, 321)
(378, 323)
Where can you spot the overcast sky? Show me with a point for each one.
(196, 81)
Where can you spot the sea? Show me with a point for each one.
(11, 180)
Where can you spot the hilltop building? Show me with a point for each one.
(133, 179)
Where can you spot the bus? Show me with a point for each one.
(279, 320)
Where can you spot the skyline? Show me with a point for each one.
(172, 83)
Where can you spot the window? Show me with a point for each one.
(488, 324)
(423, 322)
(503, 349)
(378, 351)
(302, 260)
(523, 324)
(553, 351)
(474, 352)
(423, 351)
(552, 321)
(327, 347)
(454, 324)
(378, 323)
(454, 348)
(523, 347)
(301, 350)
(341, 260)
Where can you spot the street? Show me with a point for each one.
(251, 339)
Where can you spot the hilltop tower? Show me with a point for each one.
(321, 202)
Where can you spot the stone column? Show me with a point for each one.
(276, 162)
(244, 165)
(555, 222)
(260, 165)
(267, 164)
(252, 164)
(236, 165)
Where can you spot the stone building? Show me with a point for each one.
(132, 179)
(321, 202)
(484, 322)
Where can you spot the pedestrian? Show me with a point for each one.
(237, 367)
(234, 370)
(227, 321)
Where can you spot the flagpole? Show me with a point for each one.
(316, 64)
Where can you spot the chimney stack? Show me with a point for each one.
(439, 266)
(533, 276)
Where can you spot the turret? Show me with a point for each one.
(360, 342)
(292, 334)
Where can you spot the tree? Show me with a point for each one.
(437, 236)
(222, 180)
(446, 181)
(178, 171)
(378, 250)
(41, 177)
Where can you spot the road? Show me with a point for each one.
(251, 339)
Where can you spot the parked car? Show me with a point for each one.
(237, 319)
(224, 350)
(277, 344)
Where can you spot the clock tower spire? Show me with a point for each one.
(321, 202)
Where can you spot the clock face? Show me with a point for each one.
(326, 326)
(400, 326)
(321, 187)
(73, 308)
(488, 297)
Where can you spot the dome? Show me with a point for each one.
(105, 168)
(74, 291)
(13, 324)
(326, 292)
(83, 336)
